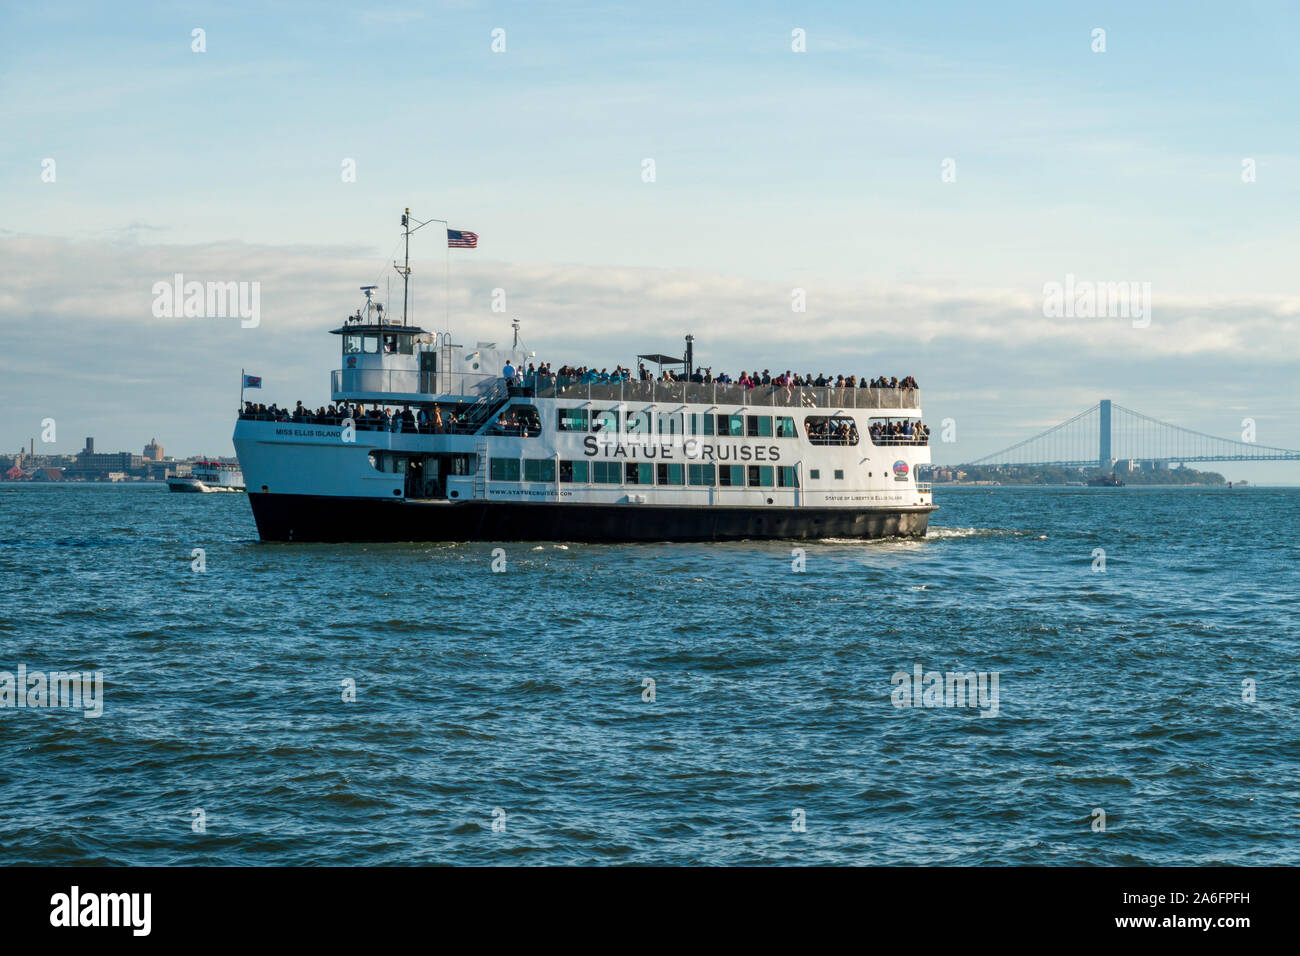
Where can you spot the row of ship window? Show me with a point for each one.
(673, 423)
(645, 473)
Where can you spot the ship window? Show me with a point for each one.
(572, 420)
(839, 473)
(831, 429)
(787, 476)
(758, 426)
(701, 424)
(604, 421)
(539, 469)
(370, 343)
(672, 474)
(815, 473)
(351, 343)
(519, 420)
(701, 474)
(760, 476)
(504, 469)
(605, 472)
(639, 473)
(785, 427)
(731, 425)
(396, 344)
(638, 423)
(571, 471)
(731, 475)
(670, 423)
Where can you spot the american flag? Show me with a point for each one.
(461, 239)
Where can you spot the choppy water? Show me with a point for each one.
(523, 690)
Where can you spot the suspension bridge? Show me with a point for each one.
(1108, 433)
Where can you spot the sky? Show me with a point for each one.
(920, 171)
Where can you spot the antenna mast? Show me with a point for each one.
(405, 269)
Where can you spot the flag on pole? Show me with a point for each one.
(461, 239)
(252, 381)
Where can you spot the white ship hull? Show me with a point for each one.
(322, 482)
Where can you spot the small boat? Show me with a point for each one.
(1105, 481)
(206, 477)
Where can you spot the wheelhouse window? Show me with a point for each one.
(572, 420)
(731, 476)
(760, 476)
(639, 473)
(539, 469)
(785, 427)
(352, 343)
(503, 469)
(605, 472)
(758, 426)
(701, 474)
(670, 474)
(397, 343)
(575, 471)
(370, 343)
(831, 429)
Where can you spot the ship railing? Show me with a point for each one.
(923, 487)
(694, 393)
(379, 381)
(901, 440)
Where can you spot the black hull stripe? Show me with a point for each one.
(322, 518)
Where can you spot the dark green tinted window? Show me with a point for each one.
(504, 469)
(573, 420)
(672, 474)
(701, 474)
(574, 471)
(539, 469)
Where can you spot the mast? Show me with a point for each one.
(405, 269)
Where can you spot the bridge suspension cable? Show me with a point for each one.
(1107, 432)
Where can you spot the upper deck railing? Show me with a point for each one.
(409, 383)
(725, 396)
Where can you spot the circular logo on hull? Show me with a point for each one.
(900, 469)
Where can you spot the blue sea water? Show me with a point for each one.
(520, 696)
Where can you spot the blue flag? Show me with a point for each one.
(252, 381)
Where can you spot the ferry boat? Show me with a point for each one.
(206, 477)
(554, 458)
(1105, 481)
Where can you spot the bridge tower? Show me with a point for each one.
(1103, 439)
